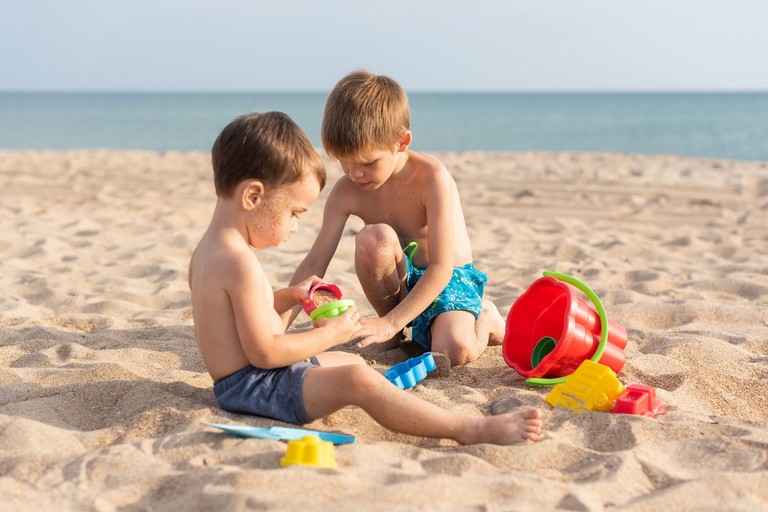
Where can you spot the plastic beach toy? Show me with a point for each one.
(331, 309)
(406, 374)
(320, 287)
(282, 433)
(317, 308)
(639, 400)
(550, 331)
(592, 386)
(309, 451)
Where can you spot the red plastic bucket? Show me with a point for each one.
(550, 331)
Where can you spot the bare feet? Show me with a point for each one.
(504, 429)
(496, 324)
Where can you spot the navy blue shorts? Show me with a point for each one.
(274, 393)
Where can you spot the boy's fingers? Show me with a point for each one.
(365, 341)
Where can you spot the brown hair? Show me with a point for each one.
(263, 146)
(364, 112)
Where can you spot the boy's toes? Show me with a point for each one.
(532, 414)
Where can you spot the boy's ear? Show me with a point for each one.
(404, 141)
(252, 194)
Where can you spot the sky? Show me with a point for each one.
(429, 45)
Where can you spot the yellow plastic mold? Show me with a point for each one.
(592, 386)
(309, 451)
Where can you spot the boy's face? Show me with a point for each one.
(277, 215)
(372, 168)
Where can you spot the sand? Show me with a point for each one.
(105, 401)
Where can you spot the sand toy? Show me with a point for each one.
(309, 451)
(640, 400)
(282, 433)
(550, 331)
(406, 374)
(325, 301)
(592, 386)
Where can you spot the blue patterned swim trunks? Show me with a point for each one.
(464, 292)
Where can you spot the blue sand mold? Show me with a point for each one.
(282, 433)
(406, 374)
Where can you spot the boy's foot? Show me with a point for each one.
(509, 428)
(496, 324)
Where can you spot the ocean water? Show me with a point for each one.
(709, 125)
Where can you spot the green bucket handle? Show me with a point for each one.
(538, 382)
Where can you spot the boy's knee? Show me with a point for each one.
(374, 239)
(453, 334)
(361, 377)
(459, 350)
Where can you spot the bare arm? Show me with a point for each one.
(438, 201)
(288, 298)
(255, 317)
(316, 262)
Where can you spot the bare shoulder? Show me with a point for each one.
(429, 169)
(216, 263)
(344, 197)
(425, 161)
(342, 188)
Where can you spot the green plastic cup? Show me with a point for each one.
(332, 309)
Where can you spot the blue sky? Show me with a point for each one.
(306, 45)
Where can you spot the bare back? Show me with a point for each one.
(215, 271)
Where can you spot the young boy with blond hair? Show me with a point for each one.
(266, 175)
(413, 257)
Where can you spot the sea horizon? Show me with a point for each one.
(707, 124)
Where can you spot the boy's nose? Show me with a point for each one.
(355, 172)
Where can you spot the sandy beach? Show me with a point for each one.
(105, 401)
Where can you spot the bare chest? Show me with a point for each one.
(404, 212)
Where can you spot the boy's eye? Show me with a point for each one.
(368, 164)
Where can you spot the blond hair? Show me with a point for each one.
(269, 147)
(364, 112)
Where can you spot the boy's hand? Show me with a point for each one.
(302, 289)
(345, 325)
(377, 331)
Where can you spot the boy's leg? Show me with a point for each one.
(337, 358)
(459, 336)
(326, 390)
(380, 267)
(497, 325)
(462, 338)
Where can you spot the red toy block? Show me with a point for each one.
(639, 400)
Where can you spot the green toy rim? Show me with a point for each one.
(321, 310)
(538, 382)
